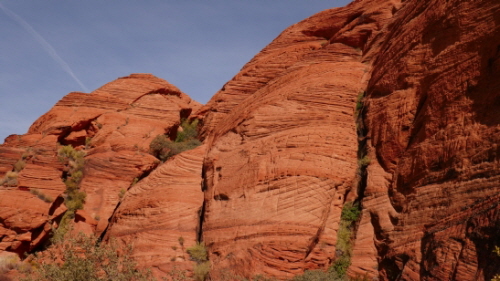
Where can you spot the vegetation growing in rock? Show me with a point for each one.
(85, 258)
(163, 148)
(497, 276)
(74, 198)
(74, 161)
(41, 195)
(350, 214)
(10, 179)
(199, 254)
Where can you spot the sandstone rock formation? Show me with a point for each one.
(114, 125)
(432, 119)
(163, 210)
(393, 104)
(430, 197)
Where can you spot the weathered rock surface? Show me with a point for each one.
(433, 132)
(159, 210)
(283, 147)
(282, 141)
(114, 125)
(275, 184)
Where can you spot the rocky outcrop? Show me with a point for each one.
(431, 202)
(163, 210)
(114, 125)
(275, 184)
(409, 88)
(283, 147)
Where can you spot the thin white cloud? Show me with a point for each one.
(45, 45)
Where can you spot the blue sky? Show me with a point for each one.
(50, 48)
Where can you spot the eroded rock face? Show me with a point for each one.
(275, 183)
(159, 215)
(433, 127)
(114, 125)
(282, 141)
(283, 147)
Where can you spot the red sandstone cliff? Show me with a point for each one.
(282, 144)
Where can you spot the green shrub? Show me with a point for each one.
(163, 148)
(74, 159)
(189, 131)
(363, 162)
(84, 258)
(198, 252)
(350, 212)
(75, 199)
(339, 267)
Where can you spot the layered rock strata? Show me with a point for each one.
(431, 202)
(114, 125)
(163, 210)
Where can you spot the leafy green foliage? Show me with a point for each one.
(350, 212)
(359, 102)
(163, 148)
(189, 131)
(84, 258)
(341, 264)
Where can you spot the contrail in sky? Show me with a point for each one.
(46, 45)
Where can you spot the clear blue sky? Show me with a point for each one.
(50, 48)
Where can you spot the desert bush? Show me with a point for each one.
(74, 159)
(75, 199)
(201, 271)
(41, 195)
(19, 166)
(163, 148)
(189, 131)
(121, 193)
(359, 102)
(10, 179)
(84, 258)
(350, 212)
(8, 263)
(198, 252)
(363, 162)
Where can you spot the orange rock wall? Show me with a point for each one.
(431, 112)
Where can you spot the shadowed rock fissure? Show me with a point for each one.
(111, 218)
(201, 212)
